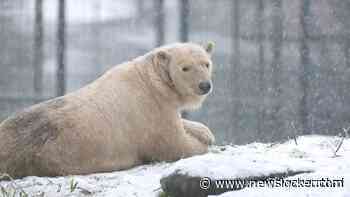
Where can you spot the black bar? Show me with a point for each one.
(235, 70)
(160, 22)
(261, 60)
(276, 66)
(38, 47)
(61, 46)
(184, 20)
(304, 63)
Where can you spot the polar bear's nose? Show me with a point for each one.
(205, 86)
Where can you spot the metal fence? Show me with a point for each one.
(282, 67)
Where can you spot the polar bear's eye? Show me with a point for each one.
(185, 69)
(206, 65)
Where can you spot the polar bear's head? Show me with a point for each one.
(187, 68)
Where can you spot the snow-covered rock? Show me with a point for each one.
(313, 153)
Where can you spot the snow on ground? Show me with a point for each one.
(314, 153)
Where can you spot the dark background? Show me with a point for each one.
(282, 68)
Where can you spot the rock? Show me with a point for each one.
(184, 185)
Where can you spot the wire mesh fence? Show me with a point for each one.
(278, 63)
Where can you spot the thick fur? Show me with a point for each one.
(127, 117)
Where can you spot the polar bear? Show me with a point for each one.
(127, 117)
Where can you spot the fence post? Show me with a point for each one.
(160, 25)
(276, 66)
(61, 46)
(347, 50)
(347, 64)
(261, 60)
(184, 20)
(38, 48)
(304, 63)
(235, 61)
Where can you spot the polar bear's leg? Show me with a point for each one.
(199, 131)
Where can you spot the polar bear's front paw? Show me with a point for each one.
(199, 131)
(208, 138)
(204, 135)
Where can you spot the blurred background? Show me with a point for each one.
(282, 68)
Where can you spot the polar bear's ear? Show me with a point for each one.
(162, 61)
(163, 57)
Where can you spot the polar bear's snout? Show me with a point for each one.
(205, 87)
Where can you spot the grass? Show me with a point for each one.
(73, 185)
(163, 194)
(14, 190)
